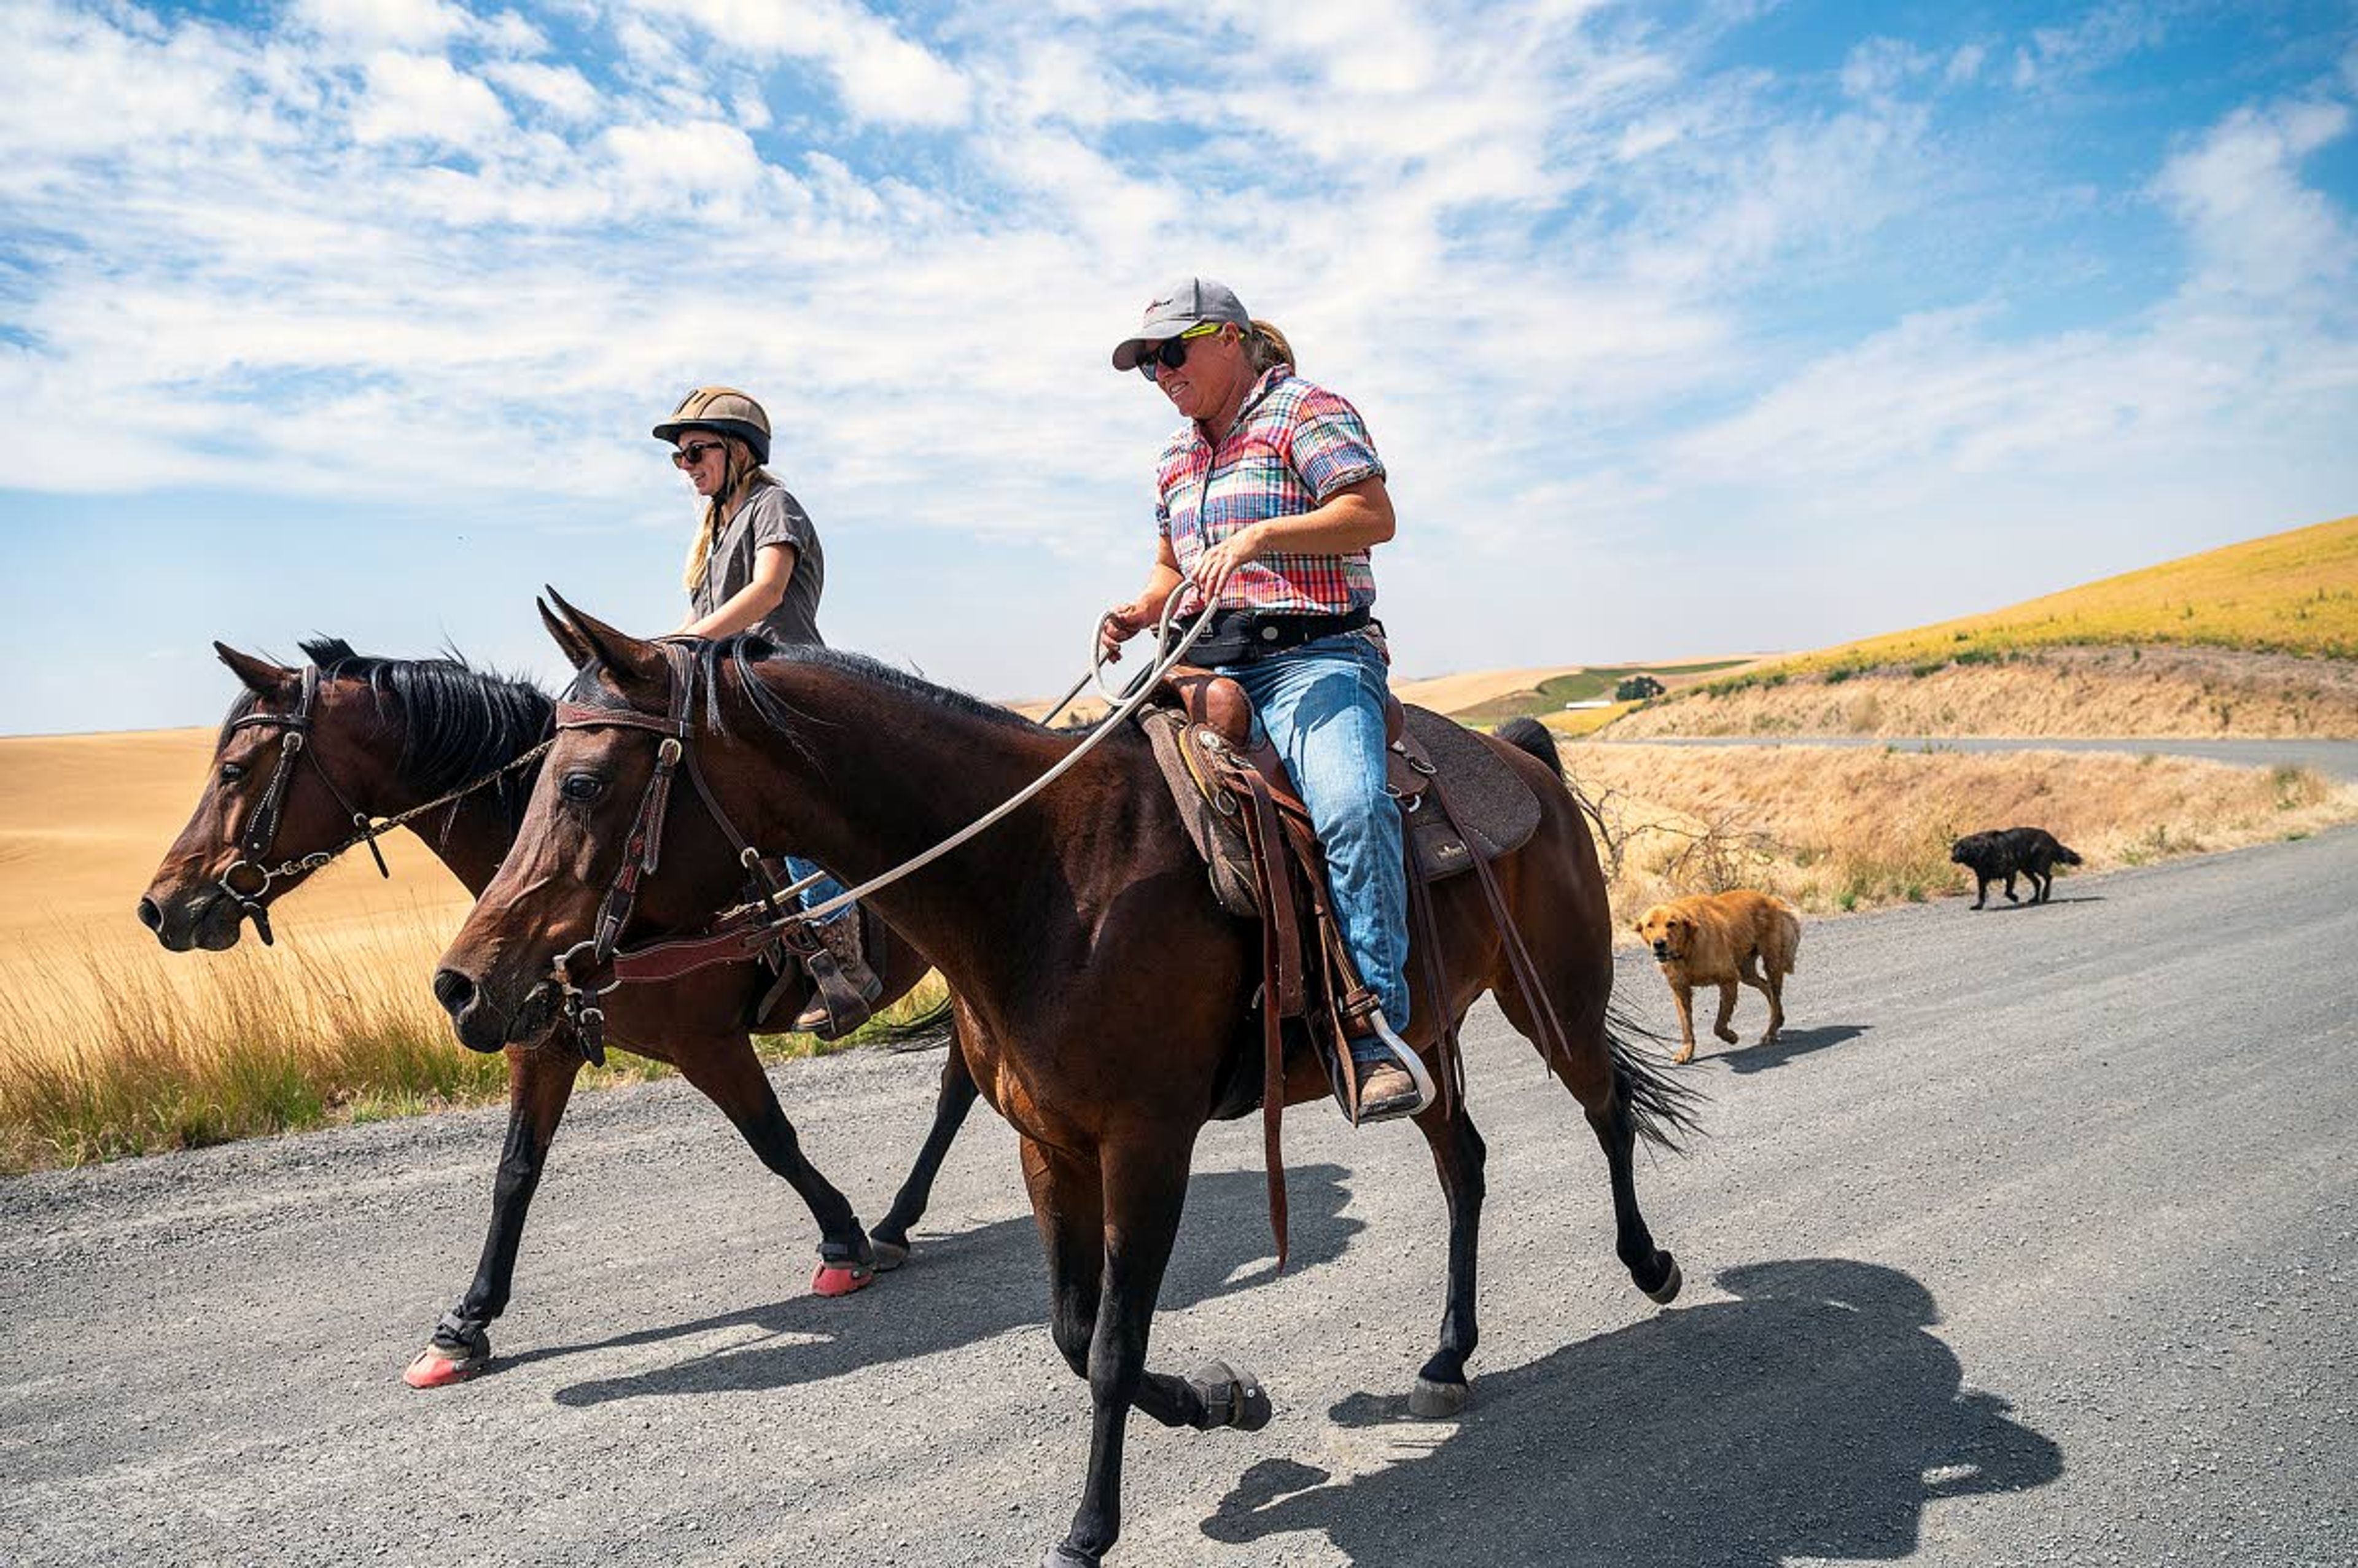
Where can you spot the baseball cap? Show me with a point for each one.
(1186, 303)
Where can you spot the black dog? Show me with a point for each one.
(2009, 852)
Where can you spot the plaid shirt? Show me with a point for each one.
(1294, 446)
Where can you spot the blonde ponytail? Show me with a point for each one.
(1268, 348)
(743, 477)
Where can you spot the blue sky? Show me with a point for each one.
(1685, 328)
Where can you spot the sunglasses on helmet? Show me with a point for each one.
(1172, 353)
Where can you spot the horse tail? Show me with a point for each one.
(1663, 1110)
(1529, 735)
(928, 1030)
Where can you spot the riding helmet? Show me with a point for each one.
(722, 408)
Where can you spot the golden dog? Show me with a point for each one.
(1718, 939)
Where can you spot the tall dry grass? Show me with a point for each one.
(105, 1051)
(1838, 830)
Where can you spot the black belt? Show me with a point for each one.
(1240, 636)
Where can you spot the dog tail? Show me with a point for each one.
(1531, 735)
(2066, 854)
(1662, 1108)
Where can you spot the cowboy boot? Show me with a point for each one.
(859, 985)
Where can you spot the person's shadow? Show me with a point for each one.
(1813, 1418)
(1789, 1043)
(970, 1286)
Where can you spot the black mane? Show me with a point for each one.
(747, 649)
(460, 722)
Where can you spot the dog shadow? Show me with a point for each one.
(2001, 907)
(1811, 1418)
(962, 1288)
(1789, 1043)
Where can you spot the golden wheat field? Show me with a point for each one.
(2291, 592)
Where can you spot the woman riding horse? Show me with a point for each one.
(1269, 498)
(756, 566)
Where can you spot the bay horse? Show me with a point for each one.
(1103, 997)
(384, 737)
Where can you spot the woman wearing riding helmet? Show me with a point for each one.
(756, 566)
(1269, 499)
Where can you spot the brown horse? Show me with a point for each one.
(386, 736)
(1104, 999)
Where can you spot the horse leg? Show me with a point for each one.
(1726, 1012)
(540, 1082)
(725, 1068)
(891, 1237)
(1138, 1192)
(1599, 1076)
(1457, 1156)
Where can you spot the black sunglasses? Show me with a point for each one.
(1172, 353)
(690, 455)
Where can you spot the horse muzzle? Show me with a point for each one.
(207, 918)
(483, 1025)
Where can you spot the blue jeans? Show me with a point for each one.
(819, 892)
(1322, 706)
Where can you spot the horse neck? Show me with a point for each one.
(470, 836)
(893, 775)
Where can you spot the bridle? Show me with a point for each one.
(261, 835)
(757, 929)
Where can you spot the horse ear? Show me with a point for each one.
(566, 637)
(260, 676)
(626, 658)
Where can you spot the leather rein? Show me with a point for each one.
(260, 836)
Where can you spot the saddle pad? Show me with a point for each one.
(1494, 805)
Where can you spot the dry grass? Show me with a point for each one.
(1847, 830)
(107, 1053)
(2134, 691)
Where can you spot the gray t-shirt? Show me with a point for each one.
(769, 517)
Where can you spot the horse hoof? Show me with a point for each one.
(436, 1368)
(1063, 1556)
(842, 1279)
(1430, 1400)
(1667, 1291)
(1230, 1397)
(889, 1255)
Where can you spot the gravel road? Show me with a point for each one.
(2031, 1242)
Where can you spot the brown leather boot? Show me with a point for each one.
(1386, 1090)
(841, 940)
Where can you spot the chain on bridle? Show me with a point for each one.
(261, 835)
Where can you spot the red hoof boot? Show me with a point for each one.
(842, 1279)
(437, 1367)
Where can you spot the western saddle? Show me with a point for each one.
(1246, 819)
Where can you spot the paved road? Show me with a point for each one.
(2034, 1241)
(2335, 759)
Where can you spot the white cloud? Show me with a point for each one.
(424, 98)
(2254, 227)
(882, 75)
(560, 89)
(411, 23)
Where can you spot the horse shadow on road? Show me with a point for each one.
(961, 1289)
(1790, 1044)
(1814, 1417)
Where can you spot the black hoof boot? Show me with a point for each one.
(1666, 1290)
(1065, 1556)
(1230, 1397)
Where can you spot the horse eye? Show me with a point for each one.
(583, 786)
(231, 772)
